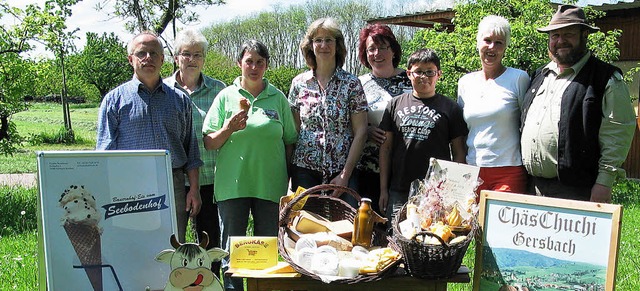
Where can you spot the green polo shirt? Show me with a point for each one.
(201, 99)
(252, 162)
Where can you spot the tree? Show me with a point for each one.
(155, 15)
(528, 48)
(14, 79)
(221, 67)
(282, 29)
(13, 70)
(103, 62)
(31, 23)
(60, 42)
(47, 72)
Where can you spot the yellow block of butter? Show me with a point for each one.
(253, 252)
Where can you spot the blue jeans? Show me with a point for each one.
(234, 218)
(306, 178)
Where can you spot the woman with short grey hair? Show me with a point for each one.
(189, 55)
(190, 38)
(491, 100)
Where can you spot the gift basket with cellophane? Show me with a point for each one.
(435, 227)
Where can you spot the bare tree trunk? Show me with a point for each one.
(65, 104)
(4, 127)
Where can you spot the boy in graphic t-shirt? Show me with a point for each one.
(418, 126)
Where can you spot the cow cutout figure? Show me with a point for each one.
(191, 265)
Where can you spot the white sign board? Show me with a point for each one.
(104, 215)
(543, 243)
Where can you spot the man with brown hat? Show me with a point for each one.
(577, 118)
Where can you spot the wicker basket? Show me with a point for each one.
(333, 209)
(429, 261)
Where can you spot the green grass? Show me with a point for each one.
(47, 117)
(19, 261)
(18, 242)
(45, 121)
(18, 234)
(18, 208)
(18, 238)
(628, 277)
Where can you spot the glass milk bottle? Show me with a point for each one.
(363, 224)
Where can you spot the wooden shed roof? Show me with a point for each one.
(444, 16)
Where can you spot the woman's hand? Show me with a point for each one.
(375, 134)
(340, 180)
(237, 122)
(216, 139)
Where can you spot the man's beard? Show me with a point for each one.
(574, 55)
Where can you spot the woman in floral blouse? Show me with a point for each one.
(330, 111)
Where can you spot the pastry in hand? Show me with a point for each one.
(244, 104)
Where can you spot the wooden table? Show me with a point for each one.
(293, 282)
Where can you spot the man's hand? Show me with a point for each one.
(194, 202)
(600, 193)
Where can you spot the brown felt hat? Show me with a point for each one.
(568, 15)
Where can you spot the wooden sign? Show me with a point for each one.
(540, 243)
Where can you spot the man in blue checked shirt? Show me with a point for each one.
(145, 114)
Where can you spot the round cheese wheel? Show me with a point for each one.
(325, 263)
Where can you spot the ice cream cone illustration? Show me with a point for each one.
(86, 242)
(80, 222)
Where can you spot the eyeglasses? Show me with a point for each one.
(143, 54)
(196, 56)
(379, 49)
(428, 73)
(327, 41)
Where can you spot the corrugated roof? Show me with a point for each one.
(605, 5)
(422, 18)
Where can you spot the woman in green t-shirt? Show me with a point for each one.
(252, 128)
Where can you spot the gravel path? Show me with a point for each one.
(27, 180)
